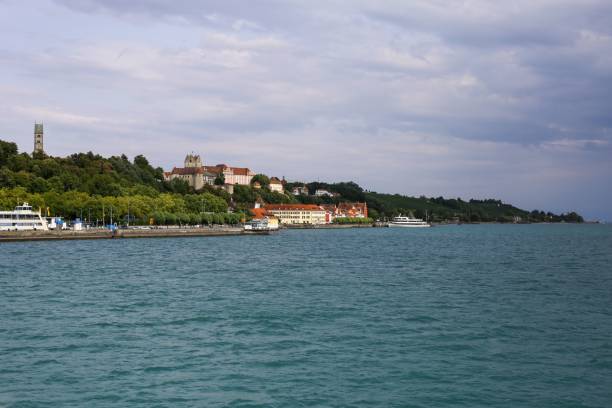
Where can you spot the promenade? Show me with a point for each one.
(12, 236)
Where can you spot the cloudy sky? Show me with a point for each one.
(509, 100)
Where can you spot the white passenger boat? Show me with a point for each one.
(22, 218)
(403, 221)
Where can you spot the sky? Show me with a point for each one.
(471, 99)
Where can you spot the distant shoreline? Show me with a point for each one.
(92, 234)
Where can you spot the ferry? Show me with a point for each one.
(402, 221)
(22, 218)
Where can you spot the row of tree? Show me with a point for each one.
(168, 218)
(353, 220)
(164, 208)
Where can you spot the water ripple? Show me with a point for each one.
(472, 316)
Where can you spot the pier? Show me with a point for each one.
(15, 236)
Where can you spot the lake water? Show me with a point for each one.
(458, 316)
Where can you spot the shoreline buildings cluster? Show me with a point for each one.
(197, 175)
(315, 214)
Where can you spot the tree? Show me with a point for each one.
(220, 179)
(179, 186)
(262, 179)
(244, 194)
(141, 161)
(7, 150)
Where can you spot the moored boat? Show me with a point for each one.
(410, 222)
(22, 218)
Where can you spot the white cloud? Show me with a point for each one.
(55, 115)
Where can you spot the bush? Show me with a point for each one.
(348, 220)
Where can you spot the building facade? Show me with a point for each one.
(297, 213)
(233, 175)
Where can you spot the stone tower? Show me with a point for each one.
(38, 138)
(193, 160)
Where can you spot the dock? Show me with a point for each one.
(16, 236)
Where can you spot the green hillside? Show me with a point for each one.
(436, 209)
(89, 186)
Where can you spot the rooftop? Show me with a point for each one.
(293, 207)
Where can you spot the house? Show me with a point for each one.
(353, 210)
(198, 175)
(345, 210)
(322, 192)
(262, 220)
(297, 213)
(299, 190)
(331, 212)
(276, 185)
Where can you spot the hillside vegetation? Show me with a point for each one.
(89, 186)
(435, 209)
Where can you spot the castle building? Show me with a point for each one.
(38, 138)
(198, 175)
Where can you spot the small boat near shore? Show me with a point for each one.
(408, 222)
(22, 218)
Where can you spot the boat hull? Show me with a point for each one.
(391, 225)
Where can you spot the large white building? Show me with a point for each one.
(297, 213)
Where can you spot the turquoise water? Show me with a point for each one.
(468, 316)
